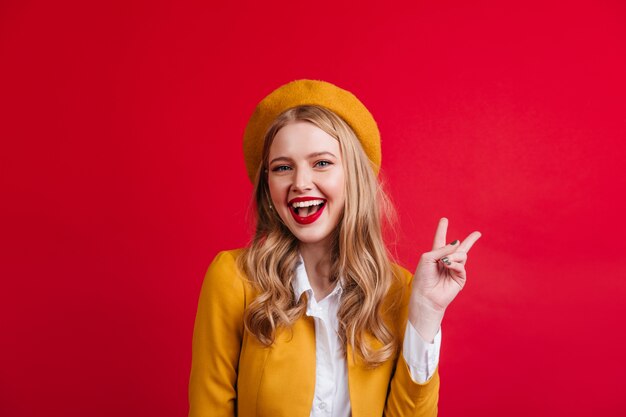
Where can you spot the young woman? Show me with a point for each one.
(312, 318)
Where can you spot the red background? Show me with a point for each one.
(122, 176)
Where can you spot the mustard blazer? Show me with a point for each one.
(232, 374)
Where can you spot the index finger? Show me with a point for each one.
(469, 241)
(440, 234)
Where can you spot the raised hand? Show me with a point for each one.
(439, 277)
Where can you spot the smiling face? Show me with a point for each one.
(306, 181)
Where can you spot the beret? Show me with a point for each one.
(310, 92)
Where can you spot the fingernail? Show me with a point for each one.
(454, 243)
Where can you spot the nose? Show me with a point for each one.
(302, 180)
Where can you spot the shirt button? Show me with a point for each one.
(322, 405)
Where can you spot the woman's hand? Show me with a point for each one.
(439, 277)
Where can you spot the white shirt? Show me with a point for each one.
(331, 397)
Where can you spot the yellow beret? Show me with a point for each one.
(310, 92)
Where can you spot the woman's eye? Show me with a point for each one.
(323, 164)
(280, 168)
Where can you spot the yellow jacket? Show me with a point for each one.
(232, 374)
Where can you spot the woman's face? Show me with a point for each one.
(306, 180)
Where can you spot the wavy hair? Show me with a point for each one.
(359, 256)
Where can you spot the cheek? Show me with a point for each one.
(273, 193)
(336, 187)
(277, 191)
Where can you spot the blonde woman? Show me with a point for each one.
(312, 318)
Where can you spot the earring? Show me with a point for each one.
(269, 201)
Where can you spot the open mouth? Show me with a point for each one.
(305, 212)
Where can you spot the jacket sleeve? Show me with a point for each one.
(407, 397)
(217, 336)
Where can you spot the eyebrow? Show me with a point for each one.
(311, 155)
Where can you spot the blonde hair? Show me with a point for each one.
(358, 255)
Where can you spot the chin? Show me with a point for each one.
(312, 237)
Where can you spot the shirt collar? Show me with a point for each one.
(301, 284)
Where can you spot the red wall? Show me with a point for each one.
(122, 175)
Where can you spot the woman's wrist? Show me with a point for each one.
(425, 319)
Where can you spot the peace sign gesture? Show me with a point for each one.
(439, 277)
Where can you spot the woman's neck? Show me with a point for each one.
(317, 260)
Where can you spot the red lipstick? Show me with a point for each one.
(308, 219)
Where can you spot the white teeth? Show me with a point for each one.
(307, 203)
